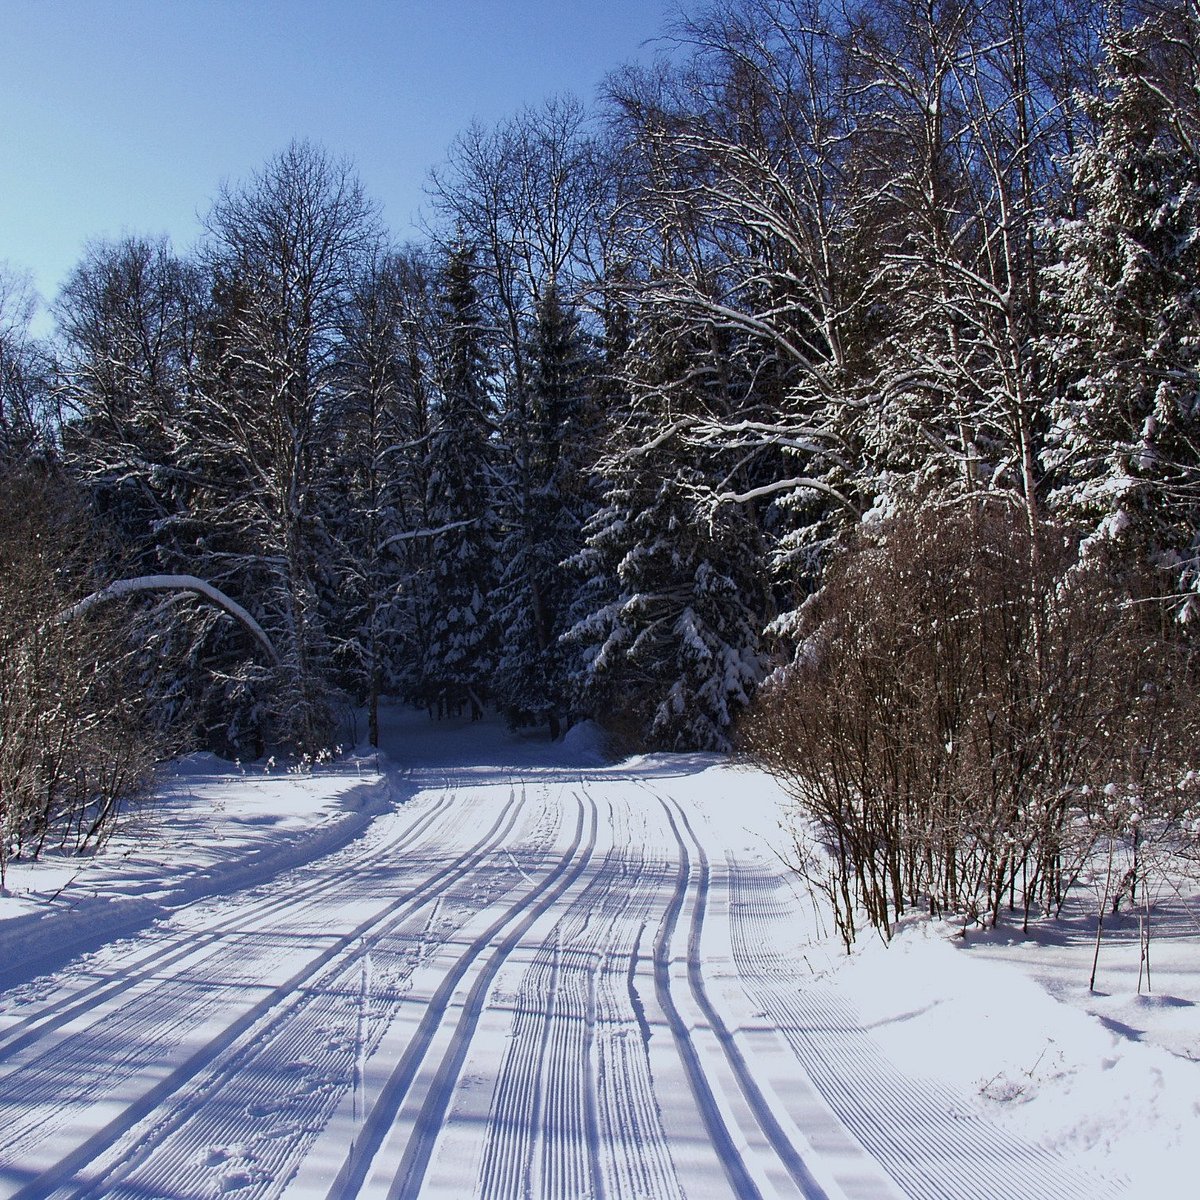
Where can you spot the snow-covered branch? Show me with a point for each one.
(786, 485)
(173, 583)
(410, 535)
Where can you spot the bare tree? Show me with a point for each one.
(284, 251)
(964, 742)
(24, 373)
(74, 741)
(755, 186)
(128, 319)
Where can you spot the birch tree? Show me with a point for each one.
(283, 250)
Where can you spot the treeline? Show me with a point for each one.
(832, 283)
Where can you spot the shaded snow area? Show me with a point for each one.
(495, 967)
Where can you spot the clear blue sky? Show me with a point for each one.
(124, 115)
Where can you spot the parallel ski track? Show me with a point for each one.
(154, 961)
(740, 1177)
(129, 1024)
(933, 1144)
(574, 1111)
(574, 1088)
(551, 1105)
(246, 1080)
(479, 962)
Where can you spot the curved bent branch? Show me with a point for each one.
(173, 583)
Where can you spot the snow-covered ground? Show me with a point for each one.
(488, 966)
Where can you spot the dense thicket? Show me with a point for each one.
(74, 740)
(830, 290)
(969, 711)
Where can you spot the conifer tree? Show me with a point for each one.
(1125, 443)
(368, 424)
(672, 594)
(554, 499)
(460, 656)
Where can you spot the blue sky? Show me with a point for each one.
(124, 115)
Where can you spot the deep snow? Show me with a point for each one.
(486, 965)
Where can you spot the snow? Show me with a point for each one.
(1044, 1067)
(587, 744)
(492, 965)
(211, 828)
(1110, 1078)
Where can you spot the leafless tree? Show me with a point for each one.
(961, 731)
(284, 251)
(25, 385)
(74, 742)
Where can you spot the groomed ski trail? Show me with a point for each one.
(529, 980)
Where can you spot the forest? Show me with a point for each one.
(828, 391)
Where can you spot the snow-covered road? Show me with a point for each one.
(531, 980)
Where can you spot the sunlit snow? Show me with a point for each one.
(485, 965)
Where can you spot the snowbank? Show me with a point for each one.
(1007, 1020)
(1044, 1067)
(586, 744)
(213, 827)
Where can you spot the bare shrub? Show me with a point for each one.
(73, 744)
(969, 710)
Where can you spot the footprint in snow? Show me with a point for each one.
(263, 1109)
(234, 1181)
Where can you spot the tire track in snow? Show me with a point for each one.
(249, 1026)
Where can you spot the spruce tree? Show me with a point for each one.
(367, 424)
(671, 590)
(464, 532)
(1125, 442)
(552, 498)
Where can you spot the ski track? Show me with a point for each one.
(937, 1145)
(573, 1087)
(553, 985)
